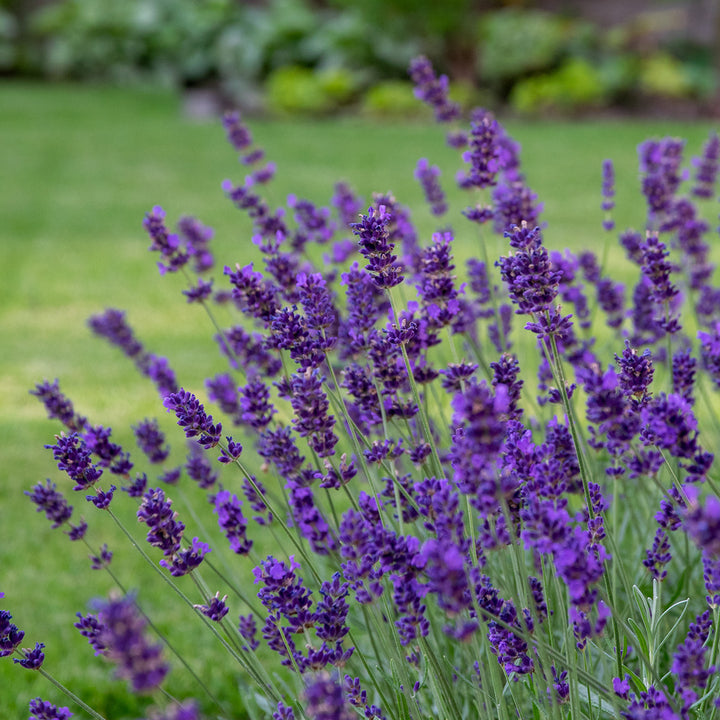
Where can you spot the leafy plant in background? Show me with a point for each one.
(446, 512)
(173, 42)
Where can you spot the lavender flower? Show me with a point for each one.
(483, 154)
(167, 244)
(658, 270)
(433, 90)
(216, 609)
(710, 352)
(73, 456)
(122, 633)
(311, 413)
(51, 502)
(192, 417)
(608, 192)
(10, 635)
(45, 710)
(702, 522)
(376, 248)
(532, 282)
(707, 168)
(252, 293)
(198, 467)
(514, 202)
(689, 660)
(197, 237)
(232, 521)
(347, 203)
(660, 164)
(58, 406)
(427, 175)
(325, 699)
(103, 499)
(186, 560)
(165, 531)
(101, 561)
(33, 658)
(113, 327)
(151, 440)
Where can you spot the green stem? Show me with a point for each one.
(70, 694)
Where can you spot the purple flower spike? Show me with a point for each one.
(608, 193)
(113, 327)
(101, 561)
(376, 248)
(232, 452)
(197, 238)
(256, 408)
(252, 293)
(707, 168)
(483, 154)
(237, 132)
(312, 419)
(191, 415)
(702, 522)
(689, 660)
(216, 609)
(283, 712)
(77, 532)
(427, 175)
(165, 530)
(103, 499)
(167, 244)
(73, 456)
(151, 440)
(186, 560)
(433, 90)
(199, 468)
(325, 699)
(51, 502)
(248, 628)
(10, 635)
(710, 352)
(123, 635)
(58, 406)
(33, 658)
(529, 275)
(232, 521)
(44, 710)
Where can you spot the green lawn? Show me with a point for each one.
(80, 168)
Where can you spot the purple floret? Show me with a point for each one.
(45, 710)
(376, 248)
(122, 633)
(191, 415)
(51, 502)
(33, 658)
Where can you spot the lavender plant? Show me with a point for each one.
(438, 525)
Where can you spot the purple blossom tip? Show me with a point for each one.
(33, 658)
(43, 710)
(192, 417)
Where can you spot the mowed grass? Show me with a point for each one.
(80, 168)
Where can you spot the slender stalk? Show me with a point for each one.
(68, 693)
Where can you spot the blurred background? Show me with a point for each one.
(315, 57)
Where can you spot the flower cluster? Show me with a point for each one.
(477, 527)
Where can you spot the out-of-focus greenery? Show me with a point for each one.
(301, 56)
(297, 90)
(576, 83)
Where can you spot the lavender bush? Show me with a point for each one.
(439, 527)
